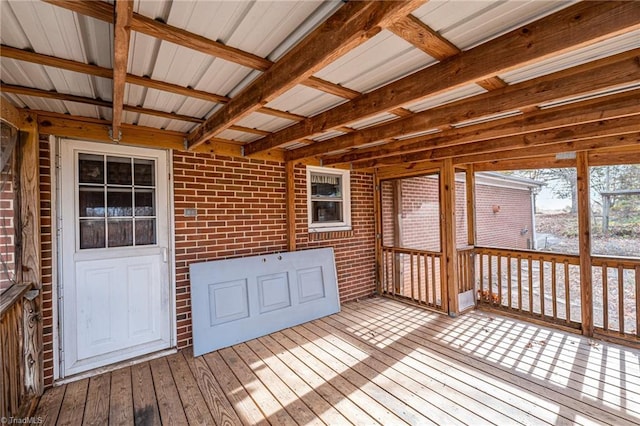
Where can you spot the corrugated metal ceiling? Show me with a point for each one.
(264, 28)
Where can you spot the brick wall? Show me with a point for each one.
(420, 215)
(241, 211)
(354, 250)
(503, 228)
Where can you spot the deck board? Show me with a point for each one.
(377, 361)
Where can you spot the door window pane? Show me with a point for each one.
(119, 202)
(118, 171)
(91, 201)
(120, 232)
(90, 168)
(144, 172)
(145, 205)
(145, 232)
(92, 233)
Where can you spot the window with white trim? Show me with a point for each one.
(328, 199)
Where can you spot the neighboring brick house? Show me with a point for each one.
(504, 212)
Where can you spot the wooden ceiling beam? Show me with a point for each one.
(571, 28)
(351, 25)
(87, 128)
(123, 11)
(612, 106)
(151, 27)
(424, 38)
(28, 91)
(594, 129)
(602, 142)
(582, 79)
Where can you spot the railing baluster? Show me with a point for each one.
(412, 277)
(541, 287)
(637, 301)
(621, 300)
(418, 261)
(530, 279)
(499, 280)
(519, 283)
(509, 289)
(481, 275)
(567, 299)
(490, 283)
(605, 297)
(433, 281)
(554, 288)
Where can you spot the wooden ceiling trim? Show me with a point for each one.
(571, 28)
(121, 35)
(248, 130)
(282, 114)
(594, 129)
(582, 79)
(49, 94)
(10, 113)
(348, 27)
(613, 106)
(331, 88)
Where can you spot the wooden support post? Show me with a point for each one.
(471, 202)
(30, 253)
(377, 213)
(448, 233)
(397, 233)
(584, 240)
(290, 188)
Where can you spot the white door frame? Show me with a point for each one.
(56, 254)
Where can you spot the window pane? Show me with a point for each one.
(326, 186)
(91, 233)
(119, 202)
(327, 211)
(91, 201)
(119, 171)
(120, 232)
(90, 168)
(145, 232)
(145, 205)
(143, 172)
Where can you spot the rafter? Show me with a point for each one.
(350, 26)
(582, 79)
(424, 38)
(576, 26)
(123, 11)
(609, 141)
(613, 106)
(533, 141)
(49, 94)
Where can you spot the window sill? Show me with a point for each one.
(330, 234)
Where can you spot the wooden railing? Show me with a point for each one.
(544, 286)
(14, 395)
(466, 269)
(413, 275)
(616, 296)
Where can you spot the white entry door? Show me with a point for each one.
(115, 236)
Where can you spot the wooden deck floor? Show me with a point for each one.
(378, 361)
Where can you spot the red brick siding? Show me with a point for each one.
(355, 254)
(241, 211)
(421, 213)
(502, 229)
